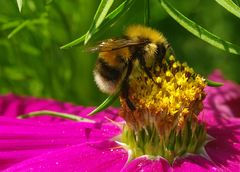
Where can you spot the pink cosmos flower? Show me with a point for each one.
(223, 101)
(53, 144)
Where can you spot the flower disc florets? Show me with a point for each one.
(164, 122)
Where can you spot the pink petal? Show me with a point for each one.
(194, 164)
(212, 118)
(100, 156)
(12, 106)
(224, 100)
(148, 165)
(23, 139)
(224, 151)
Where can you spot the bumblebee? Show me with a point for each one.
(140, 46)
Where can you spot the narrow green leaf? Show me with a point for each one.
(199, 31)
(105, 104)
(123, 7)
(18, 28)
(117, 12)
(74, 42)
(55, 114)
(10, 25)
(19, 3)
(230, 6)
(213, 83)
(100, 14)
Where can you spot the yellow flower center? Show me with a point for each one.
(165, 120)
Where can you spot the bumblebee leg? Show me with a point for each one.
(125, 95)
(143, 64)
(125, 88)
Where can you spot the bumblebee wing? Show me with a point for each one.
(114, 44)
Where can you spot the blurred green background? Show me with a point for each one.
(31, 62)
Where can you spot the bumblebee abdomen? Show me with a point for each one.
(109, 71)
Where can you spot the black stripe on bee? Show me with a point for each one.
(120, 59)
(161, 52)
(108, 72)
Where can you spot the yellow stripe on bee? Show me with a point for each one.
(112, 57)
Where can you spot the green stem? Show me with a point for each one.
(55, 114)
(213, 83)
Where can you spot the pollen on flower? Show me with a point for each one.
(172, 91)
(167, 106)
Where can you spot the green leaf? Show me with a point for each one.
(123, 7)
(10, 25)
(117, 12)
(213, 83)
(19, 3)
(73, 43)
(199, 31)
(105, 104)
(101, 13)
(230, 6)
(18, 28)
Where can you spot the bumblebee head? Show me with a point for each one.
(139, 32)
(155, 46)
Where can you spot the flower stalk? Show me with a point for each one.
(55, 114)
